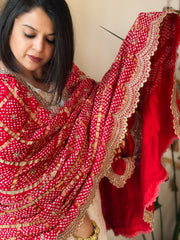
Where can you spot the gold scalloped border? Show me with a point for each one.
(120, 180)
(175, 110)
(120, 120)
(133, 86)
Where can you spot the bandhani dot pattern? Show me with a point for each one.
(51, 162)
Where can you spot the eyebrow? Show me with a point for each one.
(26, 25)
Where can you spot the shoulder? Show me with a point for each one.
(7, 85)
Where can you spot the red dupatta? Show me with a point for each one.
(51, 165)
(152, 127)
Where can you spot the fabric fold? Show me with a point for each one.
(151, 126)
(51, 163)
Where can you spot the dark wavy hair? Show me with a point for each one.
(61, 62)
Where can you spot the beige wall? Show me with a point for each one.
(2, 2)
(95, 48)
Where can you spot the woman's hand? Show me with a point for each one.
(86, 228)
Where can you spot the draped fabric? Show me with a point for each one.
(129, 210)
(51, 162)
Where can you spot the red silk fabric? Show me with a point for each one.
(51, 165)
(129, 210)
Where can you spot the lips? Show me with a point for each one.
(34, 59)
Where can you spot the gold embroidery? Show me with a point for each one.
(148, 217)
(5, 145)
(41, 179)
(175, 110)
(14, 116)
(17, 97)
(22, 163)
(120, 120)
(16, 154)
(5, 100)
(123, 122)
(120, 180)
(14, 135)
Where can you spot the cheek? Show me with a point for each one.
(49, 52)
(12, 43)
(16, 44)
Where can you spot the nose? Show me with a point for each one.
(38, 44)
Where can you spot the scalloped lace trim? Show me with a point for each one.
(120, 180)
(140, 76)
(138, 79)
(148, 217)
(175, 110)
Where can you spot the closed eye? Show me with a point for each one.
(29, 36)
(50, 41)
(32, 36)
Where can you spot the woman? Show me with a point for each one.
(60, 131)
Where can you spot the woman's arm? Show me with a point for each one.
(88, 230)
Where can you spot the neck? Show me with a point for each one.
(29, 77)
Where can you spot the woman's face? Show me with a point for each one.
(32, 40)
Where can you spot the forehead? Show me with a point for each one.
(37, 18)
